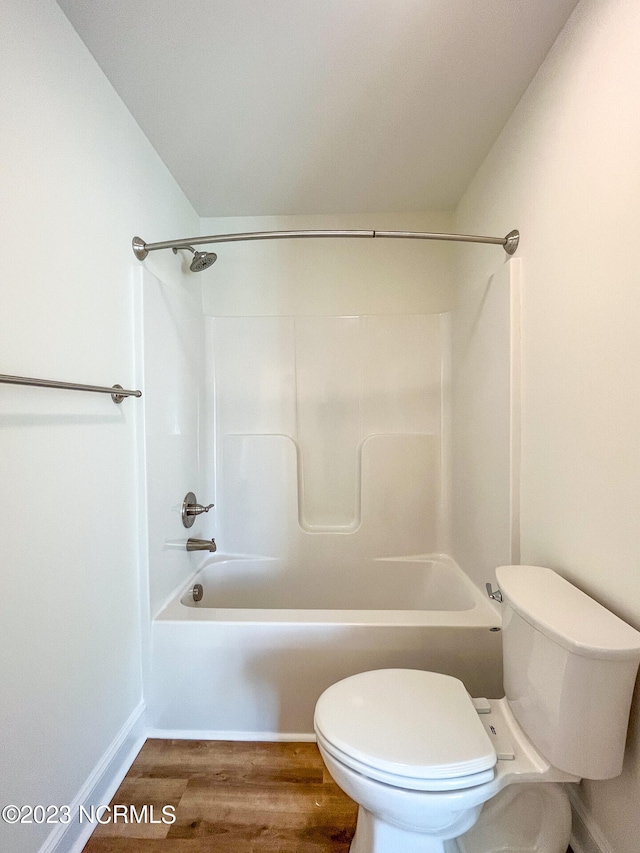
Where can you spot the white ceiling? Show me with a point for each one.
(263, 107)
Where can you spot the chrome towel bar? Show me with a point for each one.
(118, 393)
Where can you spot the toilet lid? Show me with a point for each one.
(406, 722)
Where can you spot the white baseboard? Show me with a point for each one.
(210, 734)
(101, 785)
(586, 836)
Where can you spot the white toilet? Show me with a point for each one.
(422, 758)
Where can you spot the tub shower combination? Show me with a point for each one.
(250, 659)
(330, 475)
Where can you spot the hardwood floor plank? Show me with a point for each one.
(281, 846)
(248, 775)
(193, 756)
(166, 845)
(287, 808)
(290, 796)
(147, 797)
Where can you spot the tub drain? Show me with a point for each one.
(197, 592)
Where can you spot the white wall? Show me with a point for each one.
(78, 180)
(566, 172)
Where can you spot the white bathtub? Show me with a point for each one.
(251, 658)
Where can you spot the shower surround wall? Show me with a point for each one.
(330, 425)
(329, 361)
(327, 444)
(171, 352)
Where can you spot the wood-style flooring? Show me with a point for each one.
(232, 797)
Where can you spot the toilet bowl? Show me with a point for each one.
(435, 771)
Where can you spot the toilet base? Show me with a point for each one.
(374, 835)
(522, 818)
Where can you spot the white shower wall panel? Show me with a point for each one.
(254, 375)
(171, 354)
(258, 504)
(328, 383)
(402, 359)
(330, 425)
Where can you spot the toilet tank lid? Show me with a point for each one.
(566, 614)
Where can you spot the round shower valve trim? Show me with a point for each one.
(191, 508)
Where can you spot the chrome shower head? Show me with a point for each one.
(201, 260)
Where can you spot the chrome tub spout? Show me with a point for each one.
(201, 545)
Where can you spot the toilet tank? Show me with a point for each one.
(569, 670)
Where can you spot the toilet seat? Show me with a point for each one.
(410, 783)
(407, 728)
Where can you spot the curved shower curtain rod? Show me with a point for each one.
(142, 249)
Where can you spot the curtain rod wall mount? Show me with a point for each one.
(142, 249)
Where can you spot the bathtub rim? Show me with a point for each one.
(482, 614)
